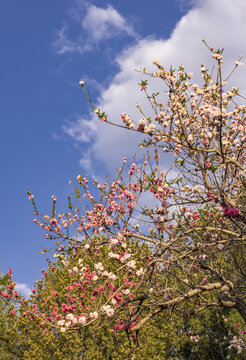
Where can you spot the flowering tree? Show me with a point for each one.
(24, 336)
(179, 252)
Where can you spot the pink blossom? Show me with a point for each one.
(229, 211)
(53, 221)
(207, 163)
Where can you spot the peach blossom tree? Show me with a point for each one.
(158, 240)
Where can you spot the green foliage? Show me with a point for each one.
(164, 337)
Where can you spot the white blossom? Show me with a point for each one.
(60, 322)
(82, 319)
(140, 272)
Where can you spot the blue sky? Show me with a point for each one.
(49, 134)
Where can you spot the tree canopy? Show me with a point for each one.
(158, 253)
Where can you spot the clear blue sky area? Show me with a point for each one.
(39, 90)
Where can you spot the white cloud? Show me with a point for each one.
(104, 24)
(221, 22)
(80, 130)
(87, 165)
(97, 25)
(97, 85)
(23, 289)
(184, 5)
(63, 45)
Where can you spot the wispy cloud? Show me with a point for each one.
(63, 45)
(96, 24)
(23, 289)
(102, 24)
(184, 5)
(73, 129)
(93, 83)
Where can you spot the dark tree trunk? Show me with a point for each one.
(241, 308)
